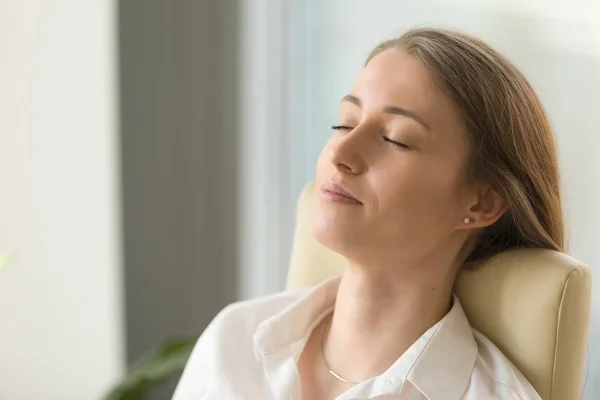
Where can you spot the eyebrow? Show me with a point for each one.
(389, 109)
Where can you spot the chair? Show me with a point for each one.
(533, 304)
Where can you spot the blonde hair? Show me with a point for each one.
(512, 145)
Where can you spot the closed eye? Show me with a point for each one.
(349, 128)
(341, 128)
(397, 144)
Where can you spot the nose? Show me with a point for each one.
(347, 153)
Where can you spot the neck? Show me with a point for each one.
(380, 312)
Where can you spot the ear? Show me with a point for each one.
(489, 205)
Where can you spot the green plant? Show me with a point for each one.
(153, 369)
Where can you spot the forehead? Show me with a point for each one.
(396, 78)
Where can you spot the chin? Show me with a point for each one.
(335, 235)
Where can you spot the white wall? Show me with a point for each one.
(60, 301)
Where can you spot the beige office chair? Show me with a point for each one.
(533, 304)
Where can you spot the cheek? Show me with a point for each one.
(422, 195)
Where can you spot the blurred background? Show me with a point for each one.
(151, 153)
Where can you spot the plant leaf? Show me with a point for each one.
(154, 368)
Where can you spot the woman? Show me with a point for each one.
(442, 157)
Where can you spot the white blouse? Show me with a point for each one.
(251, 348)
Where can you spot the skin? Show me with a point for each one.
(405, 243)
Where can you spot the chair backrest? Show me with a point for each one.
(533, 304)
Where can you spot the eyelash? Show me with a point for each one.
(349, 128)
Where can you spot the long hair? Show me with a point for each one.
(512, 144)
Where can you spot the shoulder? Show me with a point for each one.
(236, 324)
(495, 377)
(226, 346)
(229, 338)
(246, 315)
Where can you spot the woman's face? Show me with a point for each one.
(403, 156)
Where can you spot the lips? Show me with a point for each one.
(337, 193)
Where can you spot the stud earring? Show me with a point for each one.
(469, 220)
